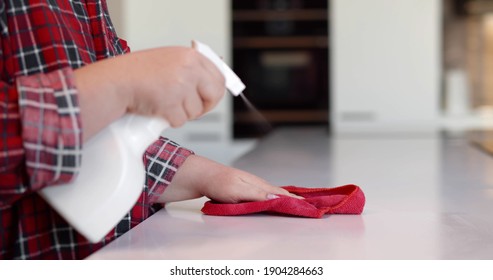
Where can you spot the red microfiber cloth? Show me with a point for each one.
(348, 199)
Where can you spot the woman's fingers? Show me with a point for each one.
(255, 189)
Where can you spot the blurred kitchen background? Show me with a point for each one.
(404, 67)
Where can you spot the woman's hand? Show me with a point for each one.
(175, 83)
(199, 176)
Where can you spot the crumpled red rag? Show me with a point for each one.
(347, 199)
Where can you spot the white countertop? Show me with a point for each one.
(428, 197)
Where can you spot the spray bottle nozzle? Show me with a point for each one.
(233, 82)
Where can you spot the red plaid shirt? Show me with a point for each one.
(41, 42)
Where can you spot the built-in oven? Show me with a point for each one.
(281, 52)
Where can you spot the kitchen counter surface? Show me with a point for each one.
(427, 197)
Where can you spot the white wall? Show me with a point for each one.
(386, 67)
(155, 23)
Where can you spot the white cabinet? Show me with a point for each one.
(386, 64)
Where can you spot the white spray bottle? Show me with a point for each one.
(112, 173)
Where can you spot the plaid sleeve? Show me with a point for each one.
(51, 127)
(162, 159)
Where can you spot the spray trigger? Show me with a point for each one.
(233, 82)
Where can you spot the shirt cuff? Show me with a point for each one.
(162, 159)
(51, 127)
